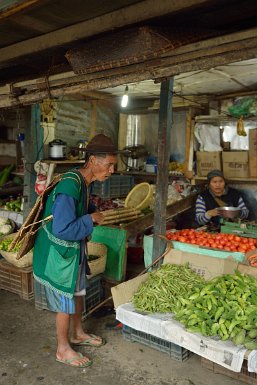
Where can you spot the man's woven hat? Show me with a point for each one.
(101, 144)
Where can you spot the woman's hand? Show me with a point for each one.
(212, 213)
(97, 217)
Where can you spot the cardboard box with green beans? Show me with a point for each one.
(221, 303)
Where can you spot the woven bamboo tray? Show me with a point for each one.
(11, 256)
(140, 196)
(97, 266)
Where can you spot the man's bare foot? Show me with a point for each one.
(70, 357)
(87, 339)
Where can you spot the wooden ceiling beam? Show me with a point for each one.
(132, 14)
(34, 24)
(16, 6)
(198, 57)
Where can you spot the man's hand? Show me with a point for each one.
(97, 217)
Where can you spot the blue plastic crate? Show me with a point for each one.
(114, 187)
(94, 294)
(176, 352)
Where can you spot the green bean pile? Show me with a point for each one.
(160, 292)
(226, 307)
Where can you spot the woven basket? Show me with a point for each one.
(140, 196)
(97, 266)
(28, 231)
(11, 256)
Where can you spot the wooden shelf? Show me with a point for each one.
(174, 209)
(196, 177)
(11, 190)
(65, 161)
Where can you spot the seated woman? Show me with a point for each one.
(218, 194)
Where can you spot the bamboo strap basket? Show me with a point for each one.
(11, 256)
(27, 233)
(97, 266)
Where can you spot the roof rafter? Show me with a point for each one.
(132, 14)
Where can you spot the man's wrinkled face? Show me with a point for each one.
(103, 167)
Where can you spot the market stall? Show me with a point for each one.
(160, 309)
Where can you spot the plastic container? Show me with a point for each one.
(208, 251)
(94, 293)
(115, 187)
(152, 168)
(176, 352)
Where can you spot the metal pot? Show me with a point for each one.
(229, 212)
(57, 149)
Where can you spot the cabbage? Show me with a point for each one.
(3, 221)
(5, 229)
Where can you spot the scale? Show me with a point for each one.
(239, 227)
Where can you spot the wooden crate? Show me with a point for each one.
(16, 280)
(244, 375)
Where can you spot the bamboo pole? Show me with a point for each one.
(118, 210)
(123, 219)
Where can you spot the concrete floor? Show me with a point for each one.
(27, 354)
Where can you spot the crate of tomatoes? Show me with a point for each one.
(215, 242)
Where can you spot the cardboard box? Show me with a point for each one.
(207, 161)
(253, 142)
(235, 164)
(253, 166)
(207, 267)
(253, 153)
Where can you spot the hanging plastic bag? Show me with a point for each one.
(41, 170)
(243, 107)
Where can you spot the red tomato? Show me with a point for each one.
(181, 239)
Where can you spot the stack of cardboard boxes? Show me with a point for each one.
(234, 164)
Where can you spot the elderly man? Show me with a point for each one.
(60, 261)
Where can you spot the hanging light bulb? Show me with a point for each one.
(124, 100)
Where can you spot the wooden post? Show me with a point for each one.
(162, 166)
(93, 119)
(33, 152)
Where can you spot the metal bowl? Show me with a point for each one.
(229, 212)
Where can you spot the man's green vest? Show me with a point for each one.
(55, 261)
